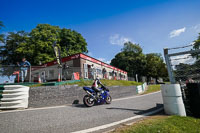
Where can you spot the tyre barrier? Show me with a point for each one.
(14, 96)
(172, 99)
(141, 88)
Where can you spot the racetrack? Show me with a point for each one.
(65, 119)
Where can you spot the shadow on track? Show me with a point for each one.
(138, 111)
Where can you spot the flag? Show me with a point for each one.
(57, 54)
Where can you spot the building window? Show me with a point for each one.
(110, 73)
(51, 73)
(98, 71)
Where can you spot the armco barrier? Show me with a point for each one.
(141, 88)
(14, 96)
(172, 99)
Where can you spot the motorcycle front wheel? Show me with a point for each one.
(88, 101)
(108, 99)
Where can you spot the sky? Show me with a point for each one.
(107, 24)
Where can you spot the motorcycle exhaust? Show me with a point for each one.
(91, 94)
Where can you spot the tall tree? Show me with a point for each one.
(197, 46)
(39, 48)
(197, 43)
(12, 42)
(155, 66)
(36, 46)
(130, 59)
(1, 35)
(72, 42)
(1, 24)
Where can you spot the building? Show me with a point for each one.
(78, 66)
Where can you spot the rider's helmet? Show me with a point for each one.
(97, 78)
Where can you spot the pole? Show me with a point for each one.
(136, 76)
(29, 74)
(169, 67)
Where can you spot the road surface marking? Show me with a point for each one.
(135, 96)
(63, 106)
(118, 122)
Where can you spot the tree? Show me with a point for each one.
(36, 46)
(130, 59)
(197, 46)
(12, 42)
(72, 42)
(197, 43)
(1, 35)
(155, 66)
(1, 24)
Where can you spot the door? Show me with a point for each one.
(85, 67)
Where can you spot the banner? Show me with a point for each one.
(57, 54)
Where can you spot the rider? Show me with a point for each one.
(95, 86)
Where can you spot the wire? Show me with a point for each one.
(182, 46)
(189, 56)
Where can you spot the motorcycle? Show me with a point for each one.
(91, 98)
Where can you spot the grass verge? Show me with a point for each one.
(163, 124)
(152, 88)
(107, 83)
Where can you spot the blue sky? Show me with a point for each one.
(107, 24)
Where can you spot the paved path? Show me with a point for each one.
(65, 119)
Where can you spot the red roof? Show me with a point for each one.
(86, 57)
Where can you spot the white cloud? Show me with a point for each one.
(104, 60)
(108, 62)
(89, 53)
(196, 28)
(101, 59)
(177, 32)
(185, 59)
(117, 39)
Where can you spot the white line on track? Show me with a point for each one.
(118, 122)
(62, 106)
(125, 98)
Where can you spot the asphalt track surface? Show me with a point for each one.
(73, 118)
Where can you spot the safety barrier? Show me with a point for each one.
(141, 88)
(172, 99)
(14, 96)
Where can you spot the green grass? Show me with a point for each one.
(152, 88)
(167, 124)
(107, 83)
(36, 85)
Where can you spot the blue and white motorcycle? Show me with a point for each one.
(91, 98)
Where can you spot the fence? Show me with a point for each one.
(183, 64)
(53, 73)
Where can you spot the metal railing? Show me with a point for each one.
(182, 64)
(40, 74)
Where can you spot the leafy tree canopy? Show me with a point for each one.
(197, 46)
(1, 24)
(130, 59)
(1, 35)
(134, 61)
(155, 66)
(197, 43)
(36, 46)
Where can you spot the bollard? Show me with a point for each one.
(172, 99)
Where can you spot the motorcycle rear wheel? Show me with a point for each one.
(88, 101)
